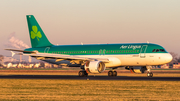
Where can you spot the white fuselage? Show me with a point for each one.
(147, 59)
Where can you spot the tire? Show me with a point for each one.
(114, 73)
(85, 74)
(81, 73)
(150, 74)
(110, 73)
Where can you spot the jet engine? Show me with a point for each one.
(137, 69)
(94, 67)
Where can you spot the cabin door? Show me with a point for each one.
(46, 50)
(102, 52)
(143, 51)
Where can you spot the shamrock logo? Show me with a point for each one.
(35, 33)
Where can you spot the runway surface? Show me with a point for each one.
(75, 77)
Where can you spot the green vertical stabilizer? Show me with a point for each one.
(37, 36)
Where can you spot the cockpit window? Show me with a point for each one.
(157, 50)
(162, 50)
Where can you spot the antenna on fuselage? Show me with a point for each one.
(81, 43)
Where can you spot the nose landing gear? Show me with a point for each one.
(149, 74)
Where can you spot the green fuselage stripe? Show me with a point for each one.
(102, 49)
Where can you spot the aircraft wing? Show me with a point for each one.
(58, 57)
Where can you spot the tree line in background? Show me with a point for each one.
(176, 58)
(1, 59)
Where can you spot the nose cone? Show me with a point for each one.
(168, 58)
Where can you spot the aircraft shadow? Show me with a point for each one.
(75, 77)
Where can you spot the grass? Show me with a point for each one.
(99, 90)
(27, 89)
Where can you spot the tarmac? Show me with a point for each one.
(75, 77)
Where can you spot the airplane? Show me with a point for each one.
(94, 58)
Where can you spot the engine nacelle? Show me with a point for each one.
(94, 67)
(137, 69)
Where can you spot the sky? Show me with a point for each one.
(94, 21)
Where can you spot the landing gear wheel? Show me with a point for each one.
(114, 73)
(150, 74)
(110, 73)
(83, 74)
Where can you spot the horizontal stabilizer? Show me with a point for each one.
(20, 50)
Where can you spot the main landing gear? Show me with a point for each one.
(112, 73)
(83, 74)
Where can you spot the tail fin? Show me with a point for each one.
(37, 36)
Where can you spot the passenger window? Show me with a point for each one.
(157, 50)
(153, 50)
